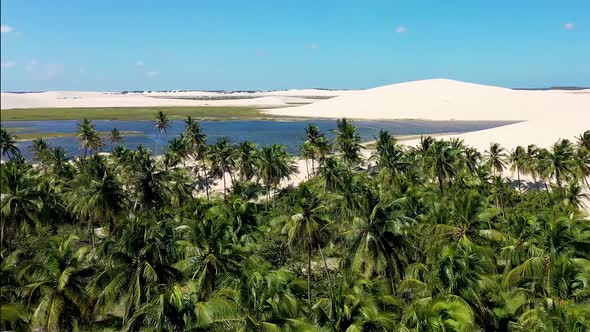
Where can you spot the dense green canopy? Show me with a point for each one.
(426, 238)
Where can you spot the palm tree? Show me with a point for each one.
(388, 153)
(584, 140)
(332, 171)
(115, 137)
(358, 304)
(137, 264)
(96, 195)
(246, 159)
(276, 164)
(8, 144)
(376, 241)
(210, 252)
(583, 165)
(221, 155)
(517, 159)
(441, 160)
(307, 231)
(39, 147)
(55, 285)
(348, 142)
(495, 158)
(57, 162)
(562, 161)
(162, 123)
(88, 137)
(306, 151)
(198, 145)
(178, 151)
(313, 137)
(322, 149)
(21, 200)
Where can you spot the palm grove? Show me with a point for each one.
(423, 238)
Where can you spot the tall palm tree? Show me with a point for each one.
(88, 137)
(306, 231)
(388, 153)
(441, 162)
(21, 200)
(246, 159)
(348, 142)
(221, 155)
(332, 171)
(517, 159)
(307, 152)
(198, 146)
(276, 164)
(313, 136)
(8, 144)
(162, 123)
(39, 147)
(115, 137)
(323, 148)
(495, 158)
(562, 161)
(178, 150)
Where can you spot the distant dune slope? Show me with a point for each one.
(58, 99)
(546, 115)
(441, 99)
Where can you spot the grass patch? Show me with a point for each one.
(131, 113)
(30, 136)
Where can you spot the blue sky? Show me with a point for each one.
(128, 45)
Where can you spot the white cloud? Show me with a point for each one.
(569, 26)
(7, 64)
(152, 73)
(401, 29)
(139, 63)
(6, 28)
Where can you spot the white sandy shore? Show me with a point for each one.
(67, 99)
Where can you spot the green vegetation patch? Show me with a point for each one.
(130, 113)
(30, 136)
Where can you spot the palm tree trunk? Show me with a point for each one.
(440, 184)
(518, 178)
(231, 177)
(156, 144)
(327, 274)
(224, 189)
(309, 275)
(206, 179)
(307, 168)
(312, 166)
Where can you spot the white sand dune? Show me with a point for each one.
(546, 115)
(57, 99)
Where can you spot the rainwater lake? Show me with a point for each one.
(262, 132)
